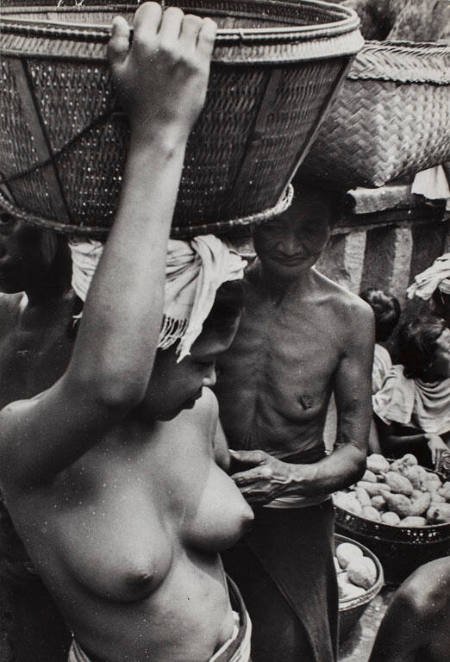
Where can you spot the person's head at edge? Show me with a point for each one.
(291, 244)
(440, 301)
(386, 309)
(424, 349)
(32, 259)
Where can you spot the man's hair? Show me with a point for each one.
(386, 309)
(417, 344)
(227, 306)
(323, 192)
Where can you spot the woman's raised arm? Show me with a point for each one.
(162, 79)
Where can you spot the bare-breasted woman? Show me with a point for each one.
(110, 475)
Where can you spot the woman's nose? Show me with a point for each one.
(210, 378)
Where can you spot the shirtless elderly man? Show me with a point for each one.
(301, 337)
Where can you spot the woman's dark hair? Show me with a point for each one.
(417, 345)
(227, 306)
(386, 309)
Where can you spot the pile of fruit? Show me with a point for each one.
(355, 572)
(398, 493)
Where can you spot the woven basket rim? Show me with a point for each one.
(346, 21)
(402, 62)
(393, 533)
(177, 231)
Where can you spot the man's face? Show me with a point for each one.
(21, 257)
(292, 243)
(176, 386)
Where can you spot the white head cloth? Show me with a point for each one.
(426, 282)
(195, 270)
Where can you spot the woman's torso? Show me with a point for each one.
(128, 538)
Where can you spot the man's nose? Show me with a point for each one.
(210, 377)
(289, 245)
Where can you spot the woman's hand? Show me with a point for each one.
(436, 445)
(162, 72)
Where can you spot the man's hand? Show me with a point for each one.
(267, 479)
(162, 73)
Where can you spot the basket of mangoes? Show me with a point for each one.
(360, 579)
(400, 510)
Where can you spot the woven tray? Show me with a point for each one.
(391, 117)
(276, 66)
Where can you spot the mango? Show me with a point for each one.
(374, 489)
(398, 484)
(438, 513)
(362, 572)
(378, 502)
(362, 496)
(369, 512)
(398, 503)
(444, 491)
(346, 551)
(390, 518)
(420, 502)
(369, 476)
(377, 463)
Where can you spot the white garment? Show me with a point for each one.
(382, 364)
(414, 403)
(195, 270)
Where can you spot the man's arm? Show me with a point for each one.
(270, 477)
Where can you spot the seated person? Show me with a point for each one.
(415, 627)
(386, 309)
(109, 475)
(413, 406)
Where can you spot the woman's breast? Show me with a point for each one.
(116, 544)
(221, 515)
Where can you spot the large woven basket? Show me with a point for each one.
(63, 140)
(390, 119)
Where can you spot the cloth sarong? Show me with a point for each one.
(236, 649)
(289, 552)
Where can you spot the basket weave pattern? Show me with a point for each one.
(391, 117)
(257, 123)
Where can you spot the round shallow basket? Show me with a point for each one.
(390, 119)
(400, 549)
(63, 138)
(351, 610)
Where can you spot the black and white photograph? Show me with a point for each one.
(224, 331)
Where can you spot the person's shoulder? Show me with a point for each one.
(345, 303)
(426, 592)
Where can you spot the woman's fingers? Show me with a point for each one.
(170, 29)
(190, 29)
(147, 21)
(206, 37)
(119, 43)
